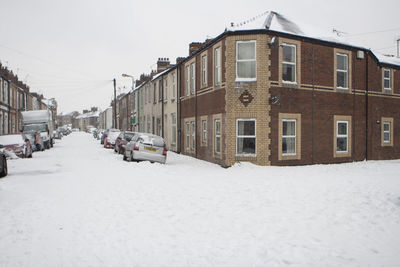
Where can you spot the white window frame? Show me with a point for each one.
(290, 63)
(173, 86)
(187, 76)
(204, 70)
(193, 135)
(290, 136)
(217, 66)
(342, 136)
(387, 79)
(193, 77)
(217, 136)
(173, 123)
(246, 60)
(204, 131)
(343, 71)
(388, 132)
(187, 136)
(246, 136)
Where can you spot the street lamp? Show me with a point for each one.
(127, 101)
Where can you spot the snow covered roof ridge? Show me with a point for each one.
(274, 21)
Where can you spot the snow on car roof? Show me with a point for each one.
(11, 139)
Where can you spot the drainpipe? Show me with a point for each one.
(312, 109)
(178, 108)
(366, 107)
(162, 106)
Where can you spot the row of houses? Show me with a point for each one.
(15, 96)
(267, 92)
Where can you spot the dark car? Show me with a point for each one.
(122, 140)
(3, 164)
(19, 144)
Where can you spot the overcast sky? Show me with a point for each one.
(72, 49)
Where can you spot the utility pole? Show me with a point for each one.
(115, 104)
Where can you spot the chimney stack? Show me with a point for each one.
(162, 64)
(194, 46)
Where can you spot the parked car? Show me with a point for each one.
(3, 163)
(109, 140)
(105, 133)
(19, 144)
(123, 139)
(144, 146)
(57, 134)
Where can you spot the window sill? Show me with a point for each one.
(245, 79)
(246, 155)
(342, 88)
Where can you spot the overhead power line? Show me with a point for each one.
(366, 33)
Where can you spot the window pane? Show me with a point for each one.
(288, 54)
(387, 83)
(386, 126)
(341, 144)
(341, 62)
(289, 145)
(246, 50)
(386, 137)
(246, 146)
(218, 144)
(246, 128)
(246, 69)
(288, 72)
(217, 127)
(341, 79)
(342, 128)
(289, 128)
(387, 73)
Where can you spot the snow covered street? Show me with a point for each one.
(79, 204)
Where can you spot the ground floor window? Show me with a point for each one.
(246, 137)
(217, 147)
(193, 141)
(387, 131)
(289, 136)
(187, 141)
(204, 131)
(342, 136)
(173, 122)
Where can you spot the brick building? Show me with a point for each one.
(266, 92)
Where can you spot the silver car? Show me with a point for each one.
(144, 146)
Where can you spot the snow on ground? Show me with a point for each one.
(82, 205)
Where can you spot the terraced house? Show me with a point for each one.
(268, 92)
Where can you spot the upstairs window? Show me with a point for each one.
(187, 78)
(387, 79)
(217, 66)
(193, 77)
(246, 61)
(289, 63)
(204, 70)
(342, 71)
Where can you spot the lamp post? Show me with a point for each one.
(127, 99)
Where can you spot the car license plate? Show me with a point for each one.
(150, 148)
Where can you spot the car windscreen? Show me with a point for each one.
(152, 140)
(35, 127)
(128, 136)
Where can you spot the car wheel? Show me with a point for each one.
(4, 172)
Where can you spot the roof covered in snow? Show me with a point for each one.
(88, 115)
(274, 21)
